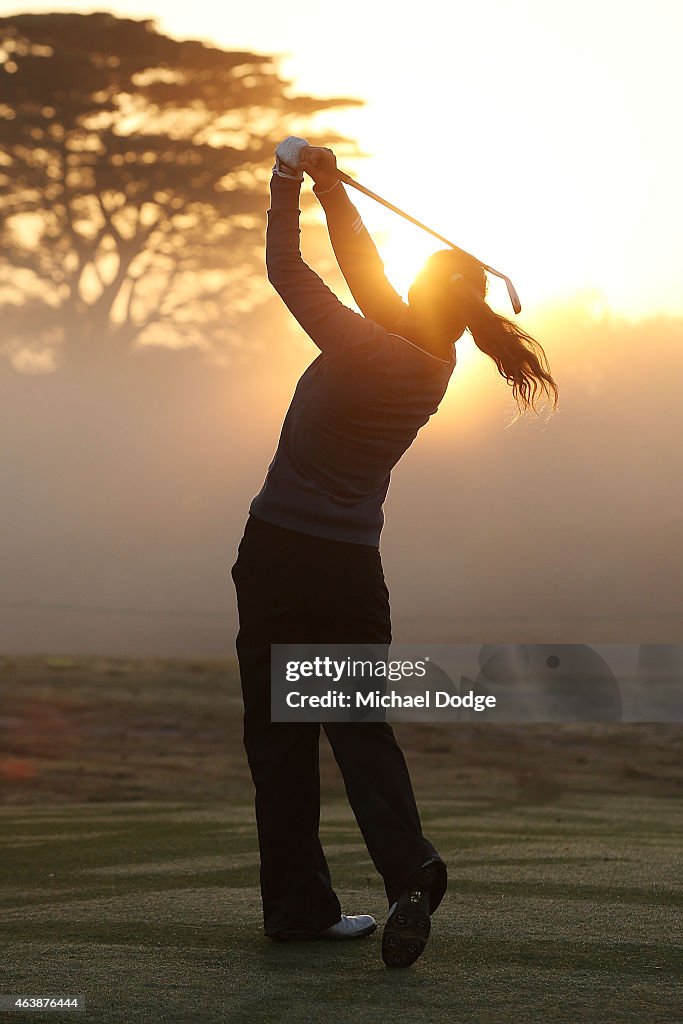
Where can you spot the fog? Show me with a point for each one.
(126, 487)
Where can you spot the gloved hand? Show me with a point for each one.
(287, 157)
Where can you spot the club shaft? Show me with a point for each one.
(390, 206)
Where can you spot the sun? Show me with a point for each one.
(402, 253)
(402, 248)
(463, 200)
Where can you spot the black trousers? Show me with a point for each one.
(296, 588)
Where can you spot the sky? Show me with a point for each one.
(542, 137)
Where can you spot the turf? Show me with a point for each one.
(152, 913)
(564, 850)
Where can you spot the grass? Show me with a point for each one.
(129, 864)
(152, 913)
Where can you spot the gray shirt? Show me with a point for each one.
(360, 404)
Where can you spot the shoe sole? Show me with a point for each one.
(304, 936)
(408, 927)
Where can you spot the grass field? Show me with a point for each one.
(129, 863)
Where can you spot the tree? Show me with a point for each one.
(133, 183)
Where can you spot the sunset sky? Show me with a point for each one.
(544, 138)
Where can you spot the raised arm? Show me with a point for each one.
(327, 321)
(357, 255)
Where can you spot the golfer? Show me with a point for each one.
(309, 569)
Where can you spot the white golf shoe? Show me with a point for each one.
(354, 926)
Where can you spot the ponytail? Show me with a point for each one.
(520, 359)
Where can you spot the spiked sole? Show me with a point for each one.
(408, 927)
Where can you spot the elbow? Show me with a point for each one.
(280, 269)
(273, 265)
(274, 275)
(271, 269)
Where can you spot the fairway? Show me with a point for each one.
(152, 913)
(563, 846)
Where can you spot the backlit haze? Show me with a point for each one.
(545, 139)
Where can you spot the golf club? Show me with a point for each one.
(514, 298)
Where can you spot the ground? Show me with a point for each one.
(130, 864)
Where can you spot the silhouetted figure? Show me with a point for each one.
(309, 568)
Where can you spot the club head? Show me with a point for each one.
(512, 291)
(514, 297)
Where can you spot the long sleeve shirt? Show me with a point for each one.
(360, 404)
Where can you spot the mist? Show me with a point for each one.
(126, 488)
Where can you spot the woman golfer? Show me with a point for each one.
(309, 568)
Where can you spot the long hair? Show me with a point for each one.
(458, 284)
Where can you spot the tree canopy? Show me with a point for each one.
(133, 183)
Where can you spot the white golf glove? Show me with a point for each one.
(287, 155)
